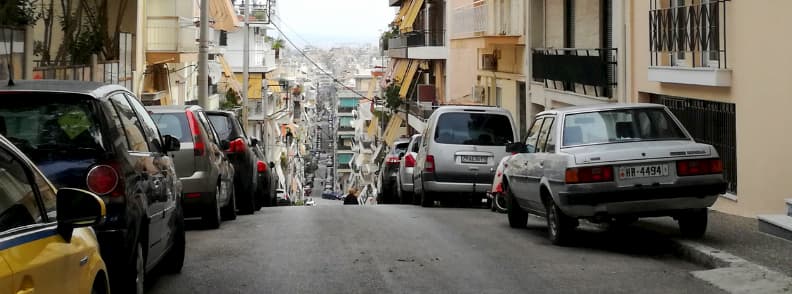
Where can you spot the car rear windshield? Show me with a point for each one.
(484, 129)
(401, 147)
(616, 126)
(174, 124)
(221, 126)
(48, 124)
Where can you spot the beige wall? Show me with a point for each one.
(554, 23)
(761, 90)
(461, 68)
(587, 24)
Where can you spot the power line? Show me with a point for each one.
(317, 65)
(292, 29)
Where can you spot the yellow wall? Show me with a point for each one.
(761, 90)
(462, 68)
(254, 84)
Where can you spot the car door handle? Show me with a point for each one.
(27, 291)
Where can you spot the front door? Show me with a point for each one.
(520, 167)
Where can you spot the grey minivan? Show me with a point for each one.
(460, 150)
(206, 174)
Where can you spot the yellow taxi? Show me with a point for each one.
(46, 242)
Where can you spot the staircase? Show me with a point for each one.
(778, 225)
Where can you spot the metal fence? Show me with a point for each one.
(711, 123)
(581, 70)
(688, 35)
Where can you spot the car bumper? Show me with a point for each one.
(194, 207)
(647, 200)
(198, 182)
(442, 187)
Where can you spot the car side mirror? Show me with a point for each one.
(171, 143)
(401, 155)
(225, 144)
(77, 208)
(517, 147)
(254, 141)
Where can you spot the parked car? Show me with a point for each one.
(611, 162)
(265, 190)
(496, 200)
(206, 174)
(283, 197)
(30, 236)
(461, 148)
(389, 169)
(99, 138)
(404, 178)
(239, 148)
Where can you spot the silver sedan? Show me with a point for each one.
(611, 162)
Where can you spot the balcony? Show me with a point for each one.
(259, 13)
(590, 72)
(687, 44)
(419, 45)
(171, 35)
(484, 18)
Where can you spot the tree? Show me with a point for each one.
(18, 13)
(392, 99)
(277, 45)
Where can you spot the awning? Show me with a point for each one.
(439, 72)
(409, 19)
(400, 69)
(224, 15)
(228, 75)
(409, 77)
(372, 128)
(273, 86)
(254, 85)
(402, 12)
(393, 130)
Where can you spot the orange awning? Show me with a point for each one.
(409, 77)
(402, 12)
(400, 69)
(224, 16)
(393, 130)
(409, 19)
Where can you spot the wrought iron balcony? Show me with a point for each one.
(585, 71)
(688, 35)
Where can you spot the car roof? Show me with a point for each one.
(477, 108)
(171, 108)
(599, 107)
(222, 112)
(92, 89)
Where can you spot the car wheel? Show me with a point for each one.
(559, 226)
(247, 202)
(211, 217)
(693, 224)
(518, 218)
(426, 200)
(174, 260)
(499, 203)
(228, 212)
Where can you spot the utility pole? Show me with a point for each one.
(246, 64)
(203, 56)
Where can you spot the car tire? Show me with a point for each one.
(560, 227)
(228, 212)
(499, 203)
(174, 260)
(211, 217)
(518, 218)
(246, 203)
(693, 224)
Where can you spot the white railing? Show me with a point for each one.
(486, 18)
(171, 34)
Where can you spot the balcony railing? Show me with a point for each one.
(258, 13)
(688, 36)
(484, 18)
(419, 110)
(171, 34)
(586, 71)
(418, 39)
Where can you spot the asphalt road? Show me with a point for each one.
(409, 249)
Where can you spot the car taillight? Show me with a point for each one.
(260, 166)
(409, 160)
(591, 174)
(102, 179)
(237, 146)
(430, 164)
(392, 159)
(699, 167)
(198, 146)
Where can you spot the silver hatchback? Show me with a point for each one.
(460, 150)
(614, 163)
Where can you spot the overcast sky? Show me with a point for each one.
(327, 22)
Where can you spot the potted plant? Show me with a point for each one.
(277, 45)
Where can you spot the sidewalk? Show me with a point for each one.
(743, 259)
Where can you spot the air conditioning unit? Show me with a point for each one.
(489, 62)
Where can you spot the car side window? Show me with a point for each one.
(207, 126)
(18, 204)
(543, 134)
(149, 127)
(136, 140)
(533, 135)
(551, 139)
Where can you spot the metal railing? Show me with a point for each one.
(418, 39)
(586, 71)
(418, 110)
(688, 35)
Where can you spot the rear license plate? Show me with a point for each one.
(643, 171)
(474, 159)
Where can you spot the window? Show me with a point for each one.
(18, 204)
(417, 144)
(533, 135)
(173, 124)
(463, 128)
(210, 133)
(149, 127)
(544, 133)
(221, 125)
(134, 131)
(617, 126)
(223, 38)
(681, 30)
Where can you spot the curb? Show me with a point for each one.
(729, 272)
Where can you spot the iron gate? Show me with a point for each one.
(711, 123)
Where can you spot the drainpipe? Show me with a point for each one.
(427, 24)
